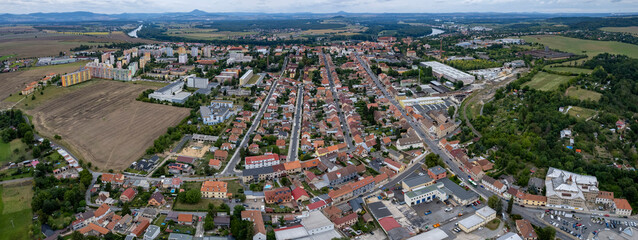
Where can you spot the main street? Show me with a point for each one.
(335, 95)
(434, 147)
(230, 167)
(293, 147)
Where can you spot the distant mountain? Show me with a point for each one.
(200, 15)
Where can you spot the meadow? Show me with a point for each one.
(15, 211)
(583, 94)
(632, 30)
(546, 81)
(580, 46)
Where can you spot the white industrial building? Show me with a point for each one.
(422, 101)
(171, 93)
(480, 218)
(314, 226)
(440, 70)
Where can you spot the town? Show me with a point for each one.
(392, 138)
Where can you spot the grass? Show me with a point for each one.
(493, 225)
(547, 81)
(202, 205)
(583, 94)
(15, 211)
(234, 187)
(632, 30)
(253, 79)
(569, 70)
(5, 57)
(6, 151)
(580, 46)
(582, 113)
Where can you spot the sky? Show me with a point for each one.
(320, 6)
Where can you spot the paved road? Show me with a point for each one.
(335, 95)
(446, 157)
(230, 167)
(293, 148)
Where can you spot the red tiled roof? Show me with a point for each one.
(389, 223)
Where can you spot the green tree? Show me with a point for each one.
(125, 209)
(510, 204)
(495, 203)
(209, 222)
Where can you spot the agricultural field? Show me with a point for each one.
(15, 211)
(104, 124)
(14, 82)
(583, 94)
(632, 30)
(582, 113)
(580, 46)
(546, 81)
(205, 34)
(572, 70)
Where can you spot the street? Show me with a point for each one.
(296, 126)
(342, 118)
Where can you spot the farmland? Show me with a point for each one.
(632, 30)
(579, 46)
(14, 82)
(583, 94)
(15, 211)
(572, 70)
(104, 124)
(7, 153)
(546, 81)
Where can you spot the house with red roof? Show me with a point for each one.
(128, 195)
(300, 195)
(269, 159)
(316, 206)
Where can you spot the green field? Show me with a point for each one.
(547, 81)
(582, 113)
(15, 211)
(6, 151)
(5, 57)
(580, 46)
(583, 94)
(253, 79)
(632, 30)
(569, 70)
(201, 206)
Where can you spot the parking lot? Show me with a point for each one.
(582, 226)
(422, 109)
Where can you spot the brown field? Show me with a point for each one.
(42, 44)
(104, 124)
(14, 82)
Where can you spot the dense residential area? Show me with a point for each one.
(444, 128)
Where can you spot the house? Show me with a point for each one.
(278, 195)
(214, 189)
(281, 143)
(116, 179)
(215, 163)
(395, 155)
(525, 229)
(536, 183)
(128, 195)
(341, 176)
(220, 155)
(437, 172)
(346, 221)
(605, 197)
(152, 232)
(258, 223)
(157, 199)
(300, 195)
(253, 148)
(185, 219)
(93, 229)
(395, 166)
(622, 207)
(493, 185)
(179, 168)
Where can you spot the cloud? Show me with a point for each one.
(320, 6)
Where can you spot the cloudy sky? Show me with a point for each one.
(320, 6)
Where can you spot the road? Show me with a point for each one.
(230, 167)
(445, 156)
(342, 118)
(293, 147)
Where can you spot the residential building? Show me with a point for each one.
(75, 77)
(622, 207)
(525, 229)
(493, 185)
(185, 219)
(278, 195)
(437, 172)
(157, 199)
(128, 195)
(341, 176)
(605, 197)
(214, 189)
(107, 71)
(152, 232)
(243, 80)
(267, 160)
(258, 223)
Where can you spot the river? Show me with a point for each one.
(134, 32)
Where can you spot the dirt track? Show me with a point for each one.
(105, 124)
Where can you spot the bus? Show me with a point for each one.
(472, 182)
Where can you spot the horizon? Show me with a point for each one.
(323, 6)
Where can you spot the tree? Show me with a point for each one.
(510, 204)
(450, 111)
(270, 235)
(209, 222)
(546, 233)
(495, 203)
(433, 159)
(125, 209)
(191, 196)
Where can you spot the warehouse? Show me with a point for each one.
(440, 70)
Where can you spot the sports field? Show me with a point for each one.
(546, 81)
(632, 30)
(569, 70)
(583, 94)
(580, 46)
(582, 113)
(15, 211)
